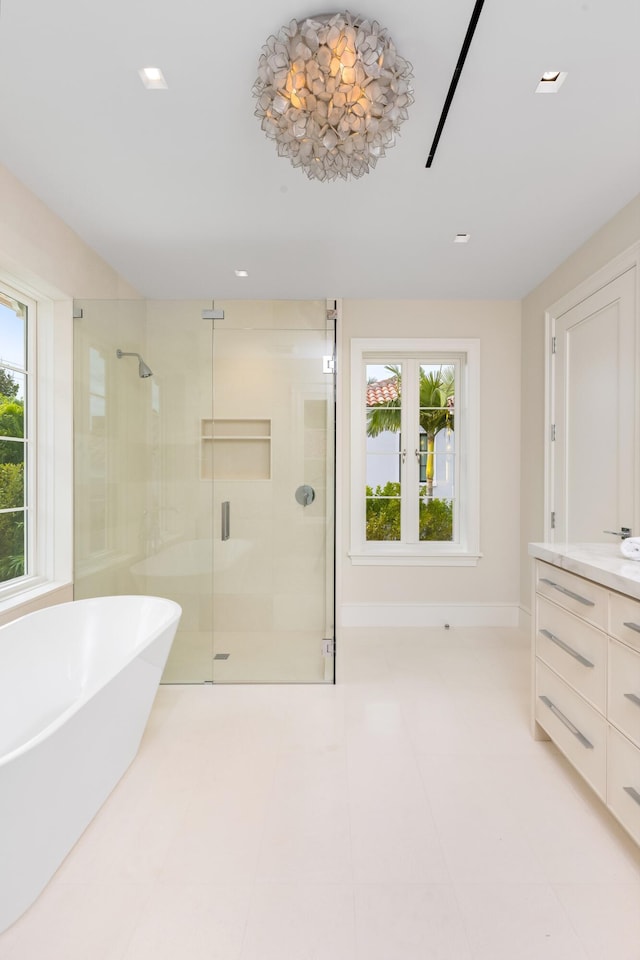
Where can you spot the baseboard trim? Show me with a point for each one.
(430, 614)
(525, 619)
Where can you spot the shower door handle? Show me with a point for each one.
(225, 520)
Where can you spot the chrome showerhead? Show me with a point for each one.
(143, 369)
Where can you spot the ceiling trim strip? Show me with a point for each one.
(475, 16)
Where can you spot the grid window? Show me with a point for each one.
(414, 449)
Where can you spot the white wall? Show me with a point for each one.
(613, 238)
(493, 584)
(39, 249)
(40, 253)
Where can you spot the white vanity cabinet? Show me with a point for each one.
(586, 668)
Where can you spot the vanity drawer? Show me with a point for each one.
(624, 690)
(587, 600)
(624, 619)
(576, 650)
(577, 729)
(623, 782)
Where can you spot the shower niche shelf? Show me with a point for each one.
(235, 449)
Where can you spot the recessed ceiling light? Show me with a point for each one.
(462, 238)
(152, 78)
(241, 273)
(551, 81)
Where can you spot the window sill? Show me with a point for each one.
(406, 559)
(32, 596)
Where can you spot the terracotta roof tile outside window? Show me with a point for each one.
(382, 391)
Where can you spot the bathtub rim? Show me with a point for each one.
(173, 608)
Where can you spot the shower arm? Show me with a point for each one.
(143, 370)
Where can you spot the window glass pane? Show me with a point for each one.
(382, 399)
(436, 426)
(383, 512)
(12, 404)
(11, 474)
(384, 382)
(12, 386)
(437, 394)
(435, 518)
(444, 477)
(13, 329)
(13, 390)
(12, 540)
(383, 469)
(383, 466)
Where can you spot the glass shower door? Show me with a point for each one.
(269, 449)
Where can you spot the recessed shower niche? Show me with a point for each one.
(235, 449)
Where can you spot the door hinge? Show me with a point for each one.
(553, 345)
(553, 519)
(328, 364)
(328, 648)
(553, 431)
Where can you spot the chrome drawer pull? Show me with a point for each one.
(568, 593)
(567, 649)
(570, 726)
(633, 626)
(633, 794)
(634, 698)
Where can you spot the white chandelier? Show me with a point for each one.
(332, 92)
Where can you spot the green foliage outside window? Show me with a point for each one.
(11, 425)
(8, 385)
(436, 519)
(383, 515)
(11, 480)
(383, 512)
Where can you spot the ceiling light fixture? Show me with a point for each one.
(153, 78)
(462, 238)
(551, 81)
(332, 92)
(241, 273)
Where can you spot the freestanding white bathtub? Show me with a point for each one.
(77, 682)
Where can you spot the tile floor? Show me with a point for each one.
(405, 814)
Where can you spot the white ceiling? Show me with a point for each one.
(178, 188)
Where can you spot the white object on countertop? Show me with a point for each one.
(630, 547)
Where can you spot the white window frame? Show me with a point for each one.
(27, 371)
(464, 549)
(50, 442)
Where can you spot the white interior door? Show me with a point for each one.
(594, 479)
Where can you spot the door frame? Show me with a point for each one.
(611, 271)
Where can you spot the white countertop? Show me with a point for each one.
(601, 562)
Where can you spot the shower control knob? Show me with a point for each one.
(305, 495)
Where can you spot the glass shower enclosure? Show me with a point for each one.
(212, 481)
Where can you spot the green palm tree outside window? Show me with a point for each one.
(436, 413)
